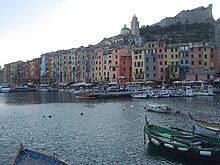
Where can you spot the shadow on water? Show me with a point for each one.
(176, 157)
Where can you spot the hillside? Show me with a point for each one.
(195, 32)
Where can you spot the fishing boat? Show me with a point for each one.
(84, 95)
(27, 156)
(164, 108)
(205, 128)
(183, 142)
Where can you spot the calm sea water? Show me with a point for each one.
(108, 132)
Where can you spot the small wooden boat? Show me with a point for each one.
(164, 108)
(30, 157)
(206, 128)
(183, 142)
(84, 95)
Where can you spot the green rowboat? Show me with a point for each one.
(183, 141)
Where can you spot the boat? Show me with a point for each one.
(205, 128)
(5, 89)
(84, 95)
(183, 142)
(164, 108)
(139, 95)
(27, 156)
(153, 94)
(204, 90)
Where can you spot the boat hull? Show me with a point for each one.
(183, 142)
(27, 156)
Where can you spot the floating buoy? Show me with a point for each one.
(145, 107)
(50, 116)
(81, 114)
(177, 111)
(132, 106)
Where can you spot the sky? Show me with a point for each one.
(30, 28)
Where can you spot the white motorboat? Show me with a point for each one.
(164, 108)
(139, 95)
(5, 89)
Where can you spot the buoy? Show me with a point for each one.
(205, 153)
(145, 107)
(132, 106)
(50, 116)
(155, 141)
(168, 145)
(177, 111)
(81, 114)
(183, 149)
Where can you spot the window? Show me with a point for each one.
(161, 63)
(181, 62)
(146, 59)
(205, 63)
(186, 61)
(165, 62)
(171, 56)
(154, 59)
(200, 56)
(154, 74)
(205, 56)
(192, 62)
(154, 67)
(165, 55)
(200, 62)
(161, 69)
(139, 56)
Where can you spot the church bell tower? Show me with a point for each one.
(135, 26)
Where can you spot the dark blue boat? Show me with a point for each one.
(27, 156)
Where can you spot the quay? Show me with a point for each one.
(113, 95)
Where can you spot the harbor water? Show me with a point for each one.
(95, 131)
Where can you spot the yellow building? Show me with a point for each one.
(137, 64)
(171, 62)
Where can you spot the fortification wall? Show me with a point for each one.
(198, 15)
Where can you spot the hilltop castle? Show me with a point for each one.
(198, 15)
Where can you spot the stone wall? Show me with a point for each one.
(200, 14)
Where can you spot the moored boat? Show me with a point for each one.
(164, 108)
(5, 89)
(27, 156)
(205, 128)
(183, 142)
(139, 95)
